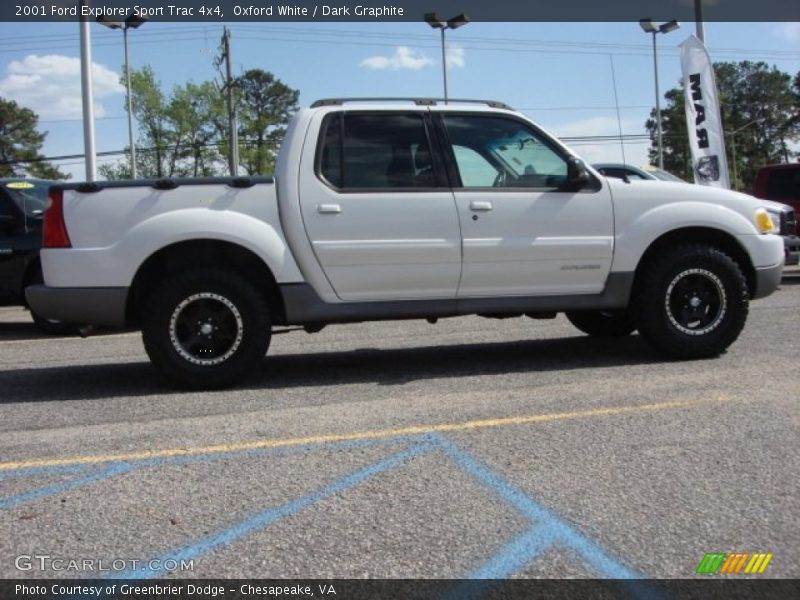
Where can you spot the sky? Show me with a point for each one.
(568, 77)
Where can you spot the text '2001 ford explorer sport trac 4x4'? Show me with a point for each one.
(399, 209)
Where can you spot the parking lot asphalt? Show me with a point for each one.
(468, 448)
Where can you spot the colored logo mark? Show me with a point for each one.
(736, 562)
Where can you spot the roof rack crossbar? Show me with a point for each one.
(417, 101)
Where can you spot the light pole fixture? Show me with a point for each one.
(133, 22)
(648, 26)
(434, 21)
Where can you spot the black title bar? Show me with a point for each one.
(218, 11)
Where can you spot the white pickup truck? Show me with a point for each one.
(402, 209)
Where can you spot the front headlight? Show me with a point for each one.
(766, 222)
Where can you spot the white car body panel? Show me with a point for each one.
(114, 231)
(646, 210)
(532, 243)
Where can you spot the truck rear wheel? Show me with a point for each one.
(603, 323)
(692, 302)
(206, 328)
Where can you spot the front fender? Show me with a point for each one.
(635, 233)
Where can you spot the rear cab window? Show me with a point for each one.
(370, 151)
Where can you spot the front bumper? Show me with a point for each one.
(791, 245)
(767, 280)
(82, 306)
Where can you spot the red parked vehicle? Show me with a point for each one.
(781, 183)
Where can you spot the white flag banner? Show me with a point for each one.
(703, 121)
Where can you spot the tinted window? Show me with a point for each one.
(784, 184)
(519, 156)
(370, 151)
(29, 196)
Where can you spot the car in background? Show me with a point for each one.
(780, 183)
(22, 204)
(777, 180)
(647, 172)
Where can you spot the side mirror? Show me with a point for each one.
(577, 175)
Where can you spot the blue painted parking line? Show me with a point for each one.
(127, 467)
(545, 523)
(207, 458)
(260, 520)
(64, 486)
(34, 471)
(546, 531)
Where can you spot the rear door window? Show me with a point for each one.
(376, 151)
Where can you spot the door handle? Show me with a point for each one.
(329, 209)
(480, 206)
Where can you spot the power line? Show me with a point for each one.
(615, 138)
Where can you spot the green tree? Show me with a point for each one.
(265, 106)
(756, 101)
(177, 132)
(21, 142)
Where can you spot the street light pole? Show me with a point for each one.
(658, 107)
(444, 66)
(130, 105)
(88, 100)
(132, 22)
(434, 21)
(649, 27)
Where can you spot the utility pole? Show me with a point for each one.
(228, 87)
(88, 99)
(699, 23)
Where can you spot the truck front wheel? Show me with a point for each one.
(206, 328)
(692, 302)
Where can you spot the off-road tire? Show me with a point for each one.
(206, 328)
(691, 302)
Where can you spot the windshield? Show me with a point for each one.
(30, 196)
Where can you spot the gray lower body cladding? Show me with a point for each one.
(303, 305)
(107, 306)
(83, 306)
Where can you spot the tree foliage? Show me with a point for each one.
(265, 106)
(760, 104)
(20, 143)
(184, 133)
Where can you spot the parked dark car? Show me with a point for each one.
(22, 203)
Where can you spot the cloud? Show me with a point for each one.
(455, 57)
(50, 85)
(403, 58)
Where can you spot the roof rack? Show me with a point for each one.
(417, 101)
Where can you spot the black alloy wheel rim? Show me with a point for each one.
(696, 302)
(206, 329)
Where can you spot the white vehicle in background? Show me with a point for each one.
(645, 173)
(402, 209)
